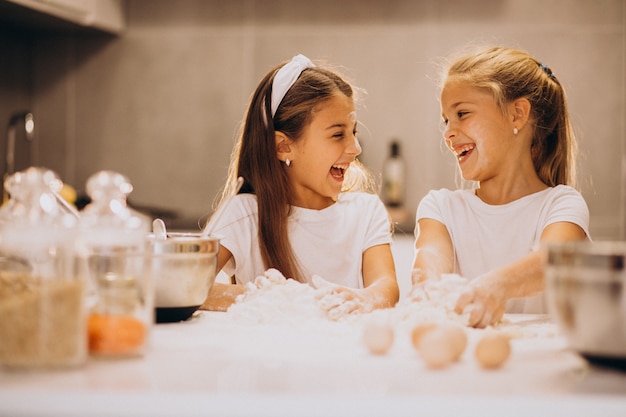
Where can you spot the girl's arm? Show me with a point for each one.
(380, 286)
(379, 277)
(488, 294)
(434, 253)
(222, 296)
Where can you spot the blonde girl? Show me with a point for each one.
(506, 122)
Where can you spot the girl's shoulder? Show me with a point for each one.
(240, 206)
(562, 189)
(564, 194)
(239, 211)
(245, 199)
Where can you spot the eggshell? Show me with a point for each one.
(457, 337)
(378, 337)
(492, 350)
(419, 331)
(437, 347)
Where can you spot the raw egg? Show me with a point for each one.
(437, 348)
(419, 331)
(457, 337)
(378, 337)
(492, 350)
(452, 335)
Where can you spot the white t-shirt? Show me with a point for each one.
(486, 237)
(329, 242)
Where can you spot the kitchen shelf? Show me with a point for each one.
(101, 15)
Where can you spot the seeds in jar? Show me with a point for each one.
(41, 321)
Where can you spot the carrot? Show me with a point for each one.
(115, 334)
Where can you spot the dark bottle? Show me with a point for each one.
(393, 177)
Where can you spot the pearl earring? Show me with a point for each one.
(515, 131)
(288, 162)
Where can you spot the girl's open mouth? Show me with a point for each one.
(462, 152)
(338, 171)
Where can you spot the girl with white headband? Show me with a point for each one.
(307, 208)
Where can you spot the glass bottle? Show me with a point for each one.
(42, 308)
(394, 177)
(111, 253)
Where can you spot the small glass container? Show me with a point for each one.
(120, 320)
(118, 295)
(112, 256)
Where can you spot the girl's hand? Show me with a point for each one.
(269, 278)
(339, 301)
(222, 296)
(484, 300)
(422, 280)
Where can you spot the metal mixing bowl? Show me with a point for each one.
(585, 290)
(183, 266)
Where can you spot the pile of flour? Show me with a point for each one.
(274, 299)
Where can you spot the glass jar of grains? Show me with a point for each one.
(42, 309)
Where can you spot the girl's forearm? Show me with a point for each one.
(429, 263)
(383, 293)
(522, 278)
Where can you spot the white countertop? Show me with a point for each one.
(209, 365)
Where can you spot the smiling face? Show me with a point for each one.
(476, 131)
(322, 154)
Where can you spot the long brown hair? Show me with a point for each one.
(254, 157)
(510, 74)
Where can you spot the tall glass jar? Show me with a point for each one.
(112, 255)
(42, 309)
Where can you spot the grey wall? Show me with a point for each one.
(162, 102)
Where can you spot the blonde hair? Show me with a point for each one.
(510, 74)
(254, 158)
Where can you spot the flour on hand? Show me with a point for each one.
(338, 301)
(435, 299)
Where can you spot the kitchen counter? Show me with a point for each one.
(210, 365)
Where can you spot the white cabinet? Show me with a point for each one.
(106, 15)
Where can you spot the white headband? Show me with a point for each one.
(286, 76)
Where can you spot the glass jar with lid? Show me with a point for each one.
(112, 255)
(42, 309)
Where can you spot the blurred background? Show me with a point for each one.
(156, 89)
